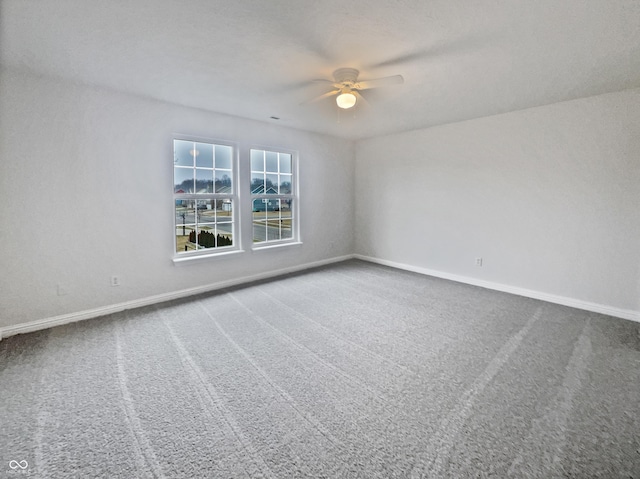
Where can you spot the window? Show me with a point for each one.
(273, 197)
(204, 196)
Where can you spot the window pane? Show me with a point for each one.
(181, 156)
(285, 163)
(223, 181)
(259, 220)
(204, 181)
(272, 161)
(206, 211)
(183, 236)
(224, 211)
(257, 183)
(273, 220)
(225, 221)
(183, 180)
(271, 185)
(206, 236)
(261, 204)
(286, 226)
(185, 224)
(203, 153)
(257, 160)
(223, 157)
(185, 212)
(285, 184)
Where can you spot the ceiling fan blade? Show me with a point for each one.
(460, 45)
(407, 58)
(330, 82)
(322, 97)
(361, 99)
(379, 82)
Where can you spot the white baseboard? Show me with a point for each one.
(160, 298)
(551, 298)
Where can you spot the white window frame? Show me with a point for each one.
(233, 196)
(293, 197)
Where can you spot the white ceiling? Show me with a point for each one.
(460, 59)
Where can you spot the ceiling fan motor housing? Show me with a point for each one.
(346, 75)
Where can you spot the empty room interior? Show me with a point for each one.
(285, 239)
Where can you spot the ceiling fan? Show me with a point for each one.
(347, 87)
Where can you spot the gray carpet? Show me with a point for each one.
(348, 371)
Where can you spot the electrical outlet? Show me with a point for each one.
(478, 261)
(115, 280)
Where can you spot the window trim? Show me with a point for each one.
(234, 196)
(294, 196)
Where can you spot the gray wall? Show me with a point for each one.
(87, 192)
(549, 197)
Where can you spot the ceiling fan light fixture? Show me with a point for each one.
(346, 100)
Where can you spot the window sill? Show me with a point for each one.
(178, 260)
(274, 246)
